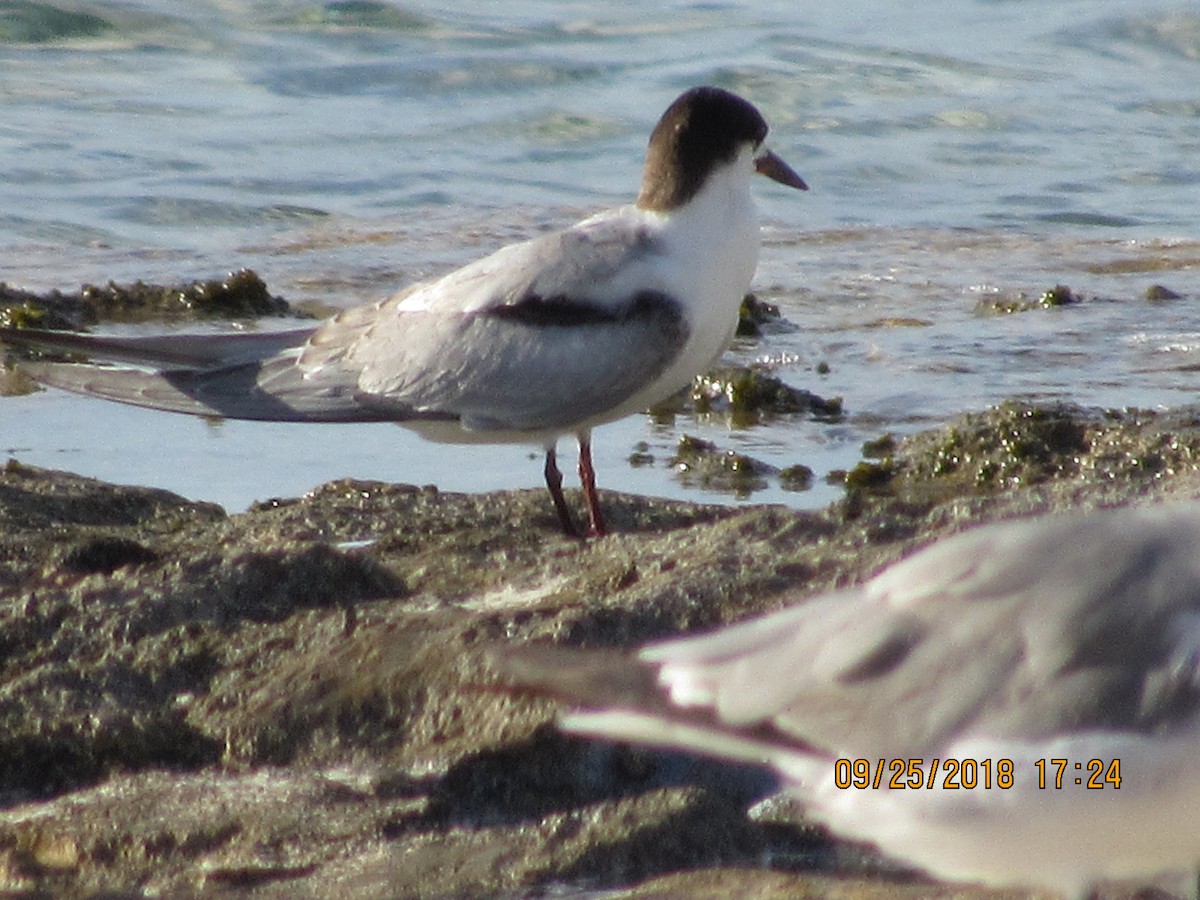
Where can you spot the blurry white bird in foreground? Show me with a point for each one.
(1015, 705)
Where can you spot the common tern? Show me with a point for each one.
(1015, 705)
(541, 339)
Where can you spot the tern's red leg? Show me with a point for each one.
(554, 483)
(587, 477)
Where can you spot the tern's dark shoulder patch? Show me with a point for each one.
(568, 312)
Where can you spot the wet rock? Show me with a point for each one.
(1020, 445)
(1059, 295)
(748, 395)
(1159, 292)
(36, 504)
(239, 295)
(757, 317)
(701, 463)
(798, 477)
(884, 445)
(293, 700)
(25, 309)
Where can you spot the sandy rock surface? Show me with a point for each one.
(293, 701)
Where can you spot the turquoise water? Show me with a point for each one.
(959, 153)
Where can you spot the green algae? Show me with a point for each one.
(702, 463)
(748, 395)
(1059, 295)
(239, 295)
(756, 316)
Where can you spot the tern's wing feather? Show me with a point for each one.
(541, 335)
(166, 351)
(243, 375)
(526, 368)
(602, 260)
(273, 390)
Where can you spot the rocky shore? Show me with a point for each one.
(294, 701)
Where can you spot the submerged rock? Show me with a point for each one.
(701, 463)
(1158, 292)
(756, 317)
(748, 395)
(1059, 295)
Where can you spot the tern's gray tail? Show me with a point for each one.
(238, 376)
(160, 351)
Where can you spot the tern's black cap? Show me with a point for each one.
(702, 130)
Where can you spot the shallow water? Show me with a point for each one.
(960, 154)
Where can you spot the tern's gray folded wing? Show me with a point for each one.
(541, 335)
(545, 363)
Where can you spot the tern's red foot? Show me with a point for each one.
(587, 477)
(554, 483)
